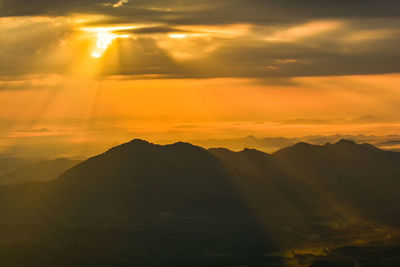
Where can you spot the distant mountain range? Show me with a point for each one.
(141, 204)
(272, 144)
(9, 163)
(38, 171)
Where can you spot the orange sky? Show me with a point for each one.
(311, 105)
(81, 77)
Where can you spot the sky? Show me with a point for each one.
(83, 73)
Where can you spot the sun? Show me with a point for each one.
(178, 36)
(104, 38)
(96, 55)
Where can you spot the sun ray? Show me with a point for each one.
(105, 37)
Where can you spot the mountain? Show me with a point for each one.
(272, 144)
(9, 163)
(362, 177)
(137, 204)
(264, 144)
(318, 183)
(38, 171)
(141, 204)
(367, 119)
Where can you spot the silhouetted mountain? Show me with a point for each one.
(390, 142)
(137, 204)
(141, 204)
(272, 144)
(9, 163)
(264, 144)
(367, 119)
(39, 171)
(175, 179)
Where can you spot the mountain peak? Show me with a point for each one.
(301, 146)
(298, 148)
(252, 151)
(345, 142)
(183, 144)
(139, 141)
(134, 144)
(351, 146)
(250, 137)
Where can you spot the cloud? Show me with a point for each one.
(35, 82)
(206, 11)
(27, 45)
(154, 30)
(40, 130)
(185, 127)
(265, 40)
(304, 31)
(372, 119)
(306, 122)
(120, 3)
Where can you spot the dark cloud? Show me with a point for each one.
(40, 130)
(141, 57)
(152, 30)
(260, 60)
(203, 12)
(368, 42)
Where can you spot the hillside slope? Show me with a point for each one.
(141, 204)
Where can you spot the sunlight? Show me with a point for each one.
(104, 40)
(105, 36)
(302, 31)
(96, 55)
(199, 133)
(178, 35)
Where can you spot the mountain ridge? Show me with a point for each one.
(39, 171)
(145, 204)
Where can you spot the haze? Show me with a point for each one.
(100, 72)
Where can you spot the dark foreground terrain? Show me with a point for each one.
(141, 204)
